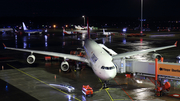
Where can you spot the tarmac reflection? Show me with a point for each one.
(24, 42)
(45, 41)
(16, 41)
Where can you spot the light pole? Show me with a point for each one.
(84, 19)
(141, 15)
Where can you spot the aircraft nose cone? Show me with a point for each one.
(112, 74)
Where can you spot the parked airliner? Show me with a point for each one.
(84, 27)
(106, 33)
(78, 27)
(29, 31)
(6, 29)
(91, 28)
(68, 32)
(96, 57)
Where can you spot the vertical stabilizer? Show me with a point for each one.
(64, 29)
(24, 26)
(76, 27)
(103, 30)
(88, 27)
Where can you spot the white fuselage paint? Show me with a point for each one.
(99, 58)
(31, 31)
(106, 33)
(5, 29)
(79, 27)
(67, 32)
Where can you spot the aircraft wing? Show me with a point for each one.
(65, 56)
(141, 51)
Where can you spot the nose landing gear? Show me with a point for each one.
(105, 84)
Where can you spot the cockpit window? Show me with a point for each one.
(107, 68)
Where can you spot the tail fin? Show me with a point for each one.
(4, 46)
(89, 36)
(103, 30)
(75, 26)
(176, 43)
(63, 29)
(24, 26)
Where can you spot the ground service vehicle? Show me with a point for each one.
(64, 87)
(87, 90)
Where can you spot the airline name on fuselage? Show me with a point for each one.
(94, 58)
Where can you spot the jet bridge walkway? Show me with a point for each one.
(156, 72)
(164, 69)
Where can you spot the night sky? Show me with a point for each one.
(74, 8)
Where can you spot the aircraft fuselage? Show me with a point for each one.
(99, 60)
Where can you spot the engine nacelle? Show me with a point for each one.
(65, 66)
(156, 55)
(31, 59)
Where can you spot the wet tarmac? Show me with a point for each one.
(23, 82)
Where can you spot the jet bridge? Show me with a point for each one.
(147, 68)
(164, 69)
(121, 65)
(155, 70)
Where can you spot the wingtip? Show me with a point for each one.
(176, 43)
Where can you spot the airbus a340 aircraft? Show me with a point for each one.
(32, 30)
(96, 57)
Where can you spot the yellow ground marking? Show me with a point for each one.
(121, 99)
(106, 91)
(43, 82)
(109, 95)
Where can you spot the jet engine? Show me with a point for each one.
(65, 66)
(31, 59)
(156, 55)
